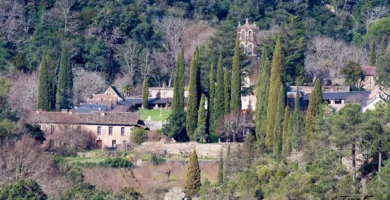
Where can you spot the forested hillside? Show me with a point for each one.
(54, 54)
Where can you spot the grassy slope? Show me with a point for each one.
(154, 114)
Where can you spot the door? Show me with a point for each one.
(99, 144)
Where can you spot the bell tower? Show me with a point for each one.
(246, 35)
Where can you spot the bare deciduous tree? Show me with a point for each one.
(326, 57)
(234, 125)
(374, 14)
(63, 10)
(171, 29)
(11, 15)
(23, 93)
(128, 57)
(195, 35)
(86, 84)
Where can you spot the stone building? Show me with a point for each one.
(246, 35)
(109, 128)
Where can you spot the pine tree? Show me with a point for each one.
(226, 92)
(297, 124)
(193, 97)
(44, 97)
(201, 112)
(145, 93)
(372, 53)
(235, 100)
(314, 108)
(286, 147)
(219, 100)
(278, 130)
(275, 83)
(65, 81)
(211, 101)
(176, 86)
(262, 89)
(192, 182)
(220, 170)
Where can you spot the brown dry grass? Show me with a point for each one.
(147, 178)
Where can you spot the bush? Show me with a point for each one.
(138, 135)
(156, 160)
(109, 162)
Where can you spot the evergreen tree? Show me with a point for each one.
(44, 97)
(314, 108)
(297, 124)
(193, 97)
(210, 103)
(177, 86)
(235, 100)
(65, 81)
(201, 112)
(51, 59)
(219, 100)
(278, 130)
(286, 140)
(262, 89)
(383, 45)
(145, 93)
(227, 163)
(275, 83)
(226, 92)
(192, 182)
(181, 79)
(220, 170)
(372, 53)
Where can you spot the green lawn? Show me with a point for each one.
(84, 159)
(154, 114)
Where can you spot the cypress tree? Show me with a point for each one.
(220, 170)
(181, 79)
(314, 108)
(227, 163)
(226, 92)
(201, 112)
(262, 89)
(52, 77)
(275, 83)
(286, 147)
(145, 94)
(65, 81)
(192, 182)
(235, 100)
(219, 100)
(383, 45)
(211, 102)
(44, 97)
(297, 124)
(372, 53)
(193, 96)
(278, 130)
(176, 86)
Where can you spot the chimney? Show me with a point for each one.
(246, 21)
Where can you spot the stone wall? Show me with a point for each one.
(184, 149)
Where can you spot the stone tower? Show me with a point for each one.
(246, 35)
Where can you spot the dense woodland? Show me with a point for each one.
(56, 53)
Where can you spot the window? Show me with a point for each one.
(337, 101)
(114, 143)
(250, 49)
(110, 130)
(242, 35)
(124, 141)
(122, 131)
(99, 130)
(250, 35)
(51, 129)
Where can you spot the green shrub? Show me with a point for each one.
(109, 162)
(138, 135)
(156, 160)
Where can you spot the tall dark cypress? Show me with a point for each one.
(145, 93)
(178, 88)
(226, 93)
(275, 83)
(235, 100)
(65, 81)
(201, 111)
(262, 89)
(372, 53)
(211, 101)
(383, 45)
(219, 104)
(181, 80)
(314, 108)
(192, 182)
(297, 124)
(44, 97)
(278, 130)
(193, 97)
(286, 139)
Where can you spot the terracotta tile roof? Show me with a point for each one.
(111, 118)
(369, 70)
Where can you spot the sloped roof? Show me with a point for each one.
(92, 118)
(117, 92)
(369, 70)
